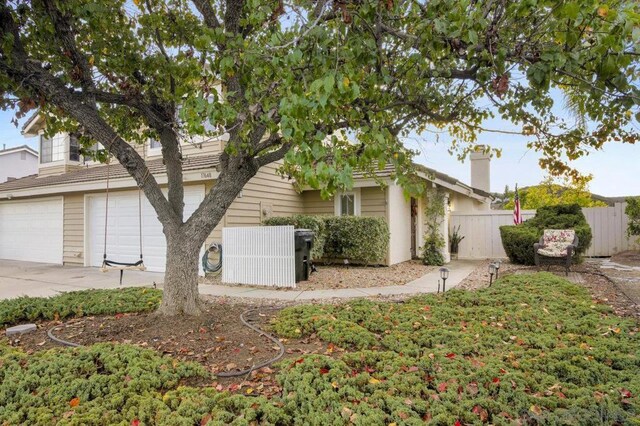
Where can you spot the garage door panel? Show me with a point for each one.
(124, 229)
(32, 230)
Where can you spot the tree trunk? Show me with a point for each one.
(180, 292)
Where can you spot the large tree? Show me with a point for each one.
(295, 73)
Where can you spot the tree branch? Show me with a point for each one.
(207, 12)
(82, 109)
(65, 34)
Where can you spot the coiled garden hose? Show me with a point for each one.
(207, 265)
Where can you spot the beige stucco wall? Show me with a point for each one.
(459, 202)
(399, 219)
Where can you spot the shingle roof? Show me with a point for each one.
(98, 173)
(156, 166)
(389, 170)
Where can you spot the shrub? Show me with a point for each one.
(633, 213)
(434, 216)
(77, 304)
(300, 221)
(432, 250)
(358, 239)
(518, 240)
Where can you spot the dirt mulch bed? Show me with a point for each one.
(330, 277)
(627, 258)
(217, 339)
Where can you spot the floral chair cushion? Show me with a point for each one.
(556, 242)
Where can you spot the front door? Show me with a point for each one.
(414, 227)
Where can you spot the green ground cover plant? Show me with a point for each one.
(77, 304)
(532, 349)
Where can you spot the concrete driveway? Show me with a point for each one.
(43, 279)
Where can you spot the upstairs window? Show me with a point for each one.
(74, 148)
(60, 147)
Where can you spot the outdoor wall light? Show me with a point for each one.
(444, 274)
(493, 270)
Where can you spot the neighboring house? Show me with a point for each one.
(17, 162)
(58, 216)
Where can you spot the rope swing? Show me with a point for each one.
(111, 264)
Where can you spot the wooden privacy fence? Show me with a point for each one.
(482, 231)
(259, 255)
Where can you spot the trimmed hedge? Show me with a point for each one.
(518, 243)
(356, 238)
(518, 240)
(300, 221)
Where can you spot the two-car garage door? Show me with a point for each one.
(123, 230)
(31, 230)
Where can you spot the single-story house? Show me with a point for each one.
(17, 162)
(58, 214)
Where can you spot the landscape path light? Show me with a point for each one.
(444, 274)
(492, 271)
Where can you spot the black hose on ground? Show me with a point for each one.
(224, 373)
(59, 340)
(261, 333)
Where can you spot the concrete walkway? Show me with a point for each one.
(428, 283)
(44, 280)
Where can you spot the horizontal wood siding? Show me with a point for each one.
(73, 229)
(266, 194)
(315, 204)
(202, 147)
(373, 202)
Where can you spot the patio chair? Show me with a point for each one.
(556, 247)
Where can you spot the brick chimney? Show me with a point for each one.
(480, 168)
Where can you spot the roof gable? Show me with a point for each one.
(21, 148)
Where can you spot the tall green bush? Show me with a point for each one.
(633, 213)
(300, 221)
(518, 240)
(357, 239)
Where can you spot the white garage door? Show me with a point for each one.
(31, 230)
(123, 229)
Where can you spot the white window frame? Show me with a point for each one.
(337, 201)
(90, 161)
(66, 150)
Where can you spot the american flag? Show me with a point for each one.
(517, 214)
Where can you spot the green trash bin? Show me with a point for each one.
(303, 245)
